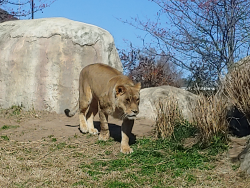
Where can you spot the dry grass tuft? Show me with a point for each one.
(168, 115)
(19, 113)
(237, 87)
(209, 115)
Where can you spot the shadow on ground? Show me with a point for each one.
(115, 131)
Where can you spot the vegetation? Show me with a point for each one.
(168, 116)
(68, 162)
(209, 115)
(19, 113)
(209, 118)
(237, 87)
(156, 158)
(205, 37)
(82, 161)
(23, 8)
(5, 127)
(150, 69)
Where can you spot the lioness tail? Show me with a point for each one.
(70, 113)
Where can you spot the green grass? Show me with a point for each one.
(16, 110)
(182, 131)
(82, 161)
(58, 146)
(5, 127)
(105, 143)
(236, 166)
(79, 183)
(53, 139)
(107, 152)
(155, 162)
(5, 137)
(153, 158)
(61, 145)
(117, 184)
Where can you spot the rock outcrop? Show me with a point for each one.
(41, 61)
(244, 158)
(150, 96)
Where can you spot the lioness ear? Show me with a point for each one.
(120, 90)
(138, 86)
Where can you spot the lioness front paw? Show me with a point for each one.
(126, 150)
(104, 136)
(84, 130)
(93, 131)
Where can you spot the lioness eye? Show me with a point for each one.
(128, 100)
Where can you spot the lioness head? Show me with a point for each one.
(127, 100)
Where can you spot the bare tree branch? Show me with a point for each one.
(22, 8)
(207, 36)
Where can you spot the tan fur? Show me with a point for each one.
(105, 89)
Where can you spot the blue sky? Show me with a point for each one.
(105, 14)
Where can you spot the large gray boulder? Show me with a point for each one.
(150, 96)
(41, 60)
(244, 158)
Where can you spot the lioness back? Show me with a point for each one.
(98, 75)
(99, 68)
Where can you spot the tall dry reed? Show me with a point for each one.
(168, 115)
(237, 87)
(209, 115)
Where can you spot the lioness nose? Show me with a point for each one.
(135, 111)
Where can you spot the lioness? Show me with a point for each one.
(105, 89)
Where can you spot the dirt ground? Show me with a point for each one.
(32, 155)
(42, 125)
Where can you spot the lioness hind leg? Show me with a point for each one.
(127, 126)
(104, 133)
(85, 98)
(83, 123)
(93, 109)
